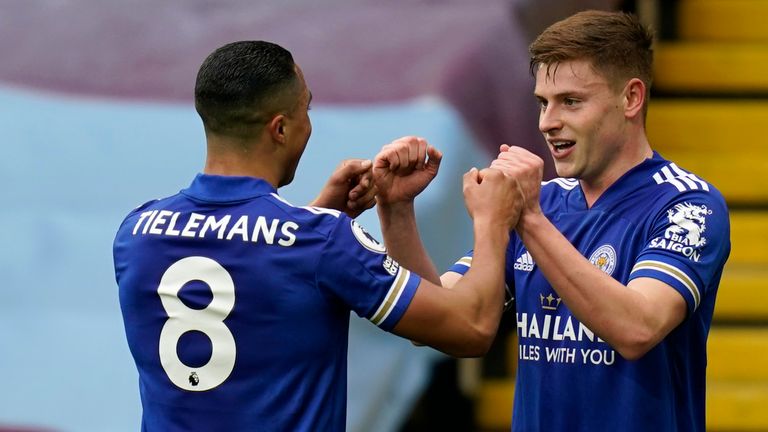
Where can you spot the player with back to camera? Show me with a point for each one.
(614, 265)
(236, 303)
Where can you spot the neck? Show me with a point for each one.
(234, 157)
(594, 188)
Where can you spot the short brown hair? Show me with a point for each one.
(617, 45)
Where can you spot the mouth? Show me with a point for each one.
(560, 147)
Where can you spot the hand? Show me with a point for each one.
(527, 169)
(349, 189)
(492, 197)
(403, 168)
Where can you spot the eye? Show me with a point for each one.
(542, 104)
(570, 101)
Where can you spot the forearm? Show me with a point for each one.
(463, 321)
(619, 315)
(484, 282)
(403, 242)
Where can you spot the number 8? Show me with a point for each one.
(210, 321)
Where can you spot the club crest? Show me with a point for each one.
(604, 258)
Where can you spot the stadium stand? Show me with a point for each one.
(712, 95)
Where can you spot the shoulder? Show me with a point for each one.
(308, 212)
(320, 219)
(687, 215)
(678, 190)
(668, 175)
(688, 234)
(143, 208)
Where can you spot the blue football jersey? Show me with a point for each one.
(657, 221)
(236, 306)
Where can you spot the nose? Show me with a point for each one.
(549, 120)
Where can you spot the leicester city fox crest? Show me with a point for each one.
(604, 258)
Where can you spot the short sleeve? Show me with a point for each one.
(687, 247)
(462, 265)
(356, 269)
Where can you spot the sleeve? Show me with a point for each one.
(687, 247)
(356, 269)
(462, 265)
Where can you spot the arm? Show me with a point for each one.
(632, 318)
(350, 188)
(401, 171)
(463, 321)
(401, 236)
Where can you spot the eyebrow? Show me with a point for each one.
(561, 95)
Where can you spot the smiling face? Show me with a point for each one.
(582, 117)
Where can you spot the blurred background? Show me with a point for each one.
(96, 116)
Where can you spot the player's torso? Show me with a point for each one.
(564, 366)
(610, 239)
(223, 316)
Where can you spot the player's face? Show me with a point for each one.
(299, 128)
(582, 119)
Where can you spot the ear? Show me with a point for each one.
(634, 97)
(276, 128)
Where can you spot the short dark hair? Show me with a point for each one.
(242, 84)
(617, 45)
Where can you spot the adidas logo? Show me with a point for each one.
(524, 262)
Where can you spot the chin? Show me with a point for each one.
(562, 171)
(566, 169)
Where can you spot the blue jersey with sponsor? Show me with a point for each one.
(657, 221)
(236, 306)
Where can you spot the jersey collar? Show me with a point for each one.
(624, 184)
(216, 188)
